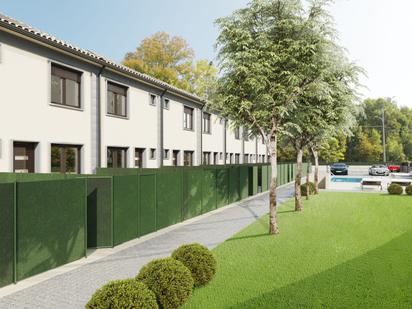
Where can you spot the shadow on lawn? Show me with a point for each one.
(381, 278)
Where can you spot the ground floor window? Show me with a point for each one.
(237, 158)
(206, 158)
(176, 156)
(188, 158)
(65, 158)
(216, 158)
(246, 158)
(116, 157)
(138, 157)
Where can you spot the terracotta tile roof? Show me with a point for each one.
(22, 28)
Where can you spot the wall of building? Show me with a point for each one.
(28, 116)
(214, 142)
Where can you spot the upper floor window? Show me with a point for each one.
(65, 86)
(206, 123)
(188, 118)
(152, 99)
(246, 134)
(166, 103)
(116, 100)
(237, 133)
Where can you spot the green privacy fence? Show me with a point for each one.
(42, 226)
(47, 220)
(7, 255)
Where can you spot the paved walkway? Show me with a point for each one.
(74, 288)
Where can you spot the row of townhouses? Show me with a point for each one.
(65, 109)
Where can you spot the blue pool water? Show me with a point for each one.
(346, 179)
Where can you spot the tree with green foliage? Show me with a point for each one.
(170, 59)
(267, 54)
(366, 145)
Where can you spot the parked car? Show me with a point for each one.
(394, 168)
(339, 169)
(379, 170)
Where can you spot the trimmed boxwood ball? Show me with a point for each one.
(408, 190)
(311, 189)
(120, 294)
(395, 189)
(199, 260)
(169, 279)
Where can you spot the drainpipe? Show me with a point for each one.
(99, 120)
(160, 141)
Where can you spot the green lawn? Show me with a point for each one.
(346, 250)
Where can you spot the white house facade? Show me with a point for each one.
(65, 109)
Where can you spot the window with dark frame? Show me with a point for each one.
(152, 99)
(246, 134)
(138, 157)
(206, 123)
(246, 158)
(188, 118)
(216, 158)
(166, 103)
(116, 100)
(65, 159)
(206, 158)
(152, 153)
(237, 133)
(165, 154)
(116, 157)
(188, 158)
(237, 158)
(65, 86)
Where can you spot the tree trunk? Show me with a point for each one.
(316, 173)
(298, 181)
(307, 178)
(273, 224)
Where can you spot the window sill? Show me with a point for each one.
(79, 109)
(189, 130)
(117, 116)
(208, 133)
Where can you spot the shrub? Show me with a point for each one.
(408, 190)
(169, 279)
(311, 189)
(119, 294)
(395, 189)
(199, 260)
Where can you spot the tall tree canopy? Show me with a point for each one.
(365, 145)
(170, 59)
(269, 55)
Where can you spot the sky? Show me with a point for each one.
(376, 33)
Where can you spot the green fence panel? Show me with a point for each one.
(255, 180)
(51, 224)
(244, 181)
(125, 208)
(6, 233)
(192, 192)
(169, 197)
(222, 186)
(234, 184)
(209, 194)
(265, 185)
(99, 212)
(24, 177)
(147, 194)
